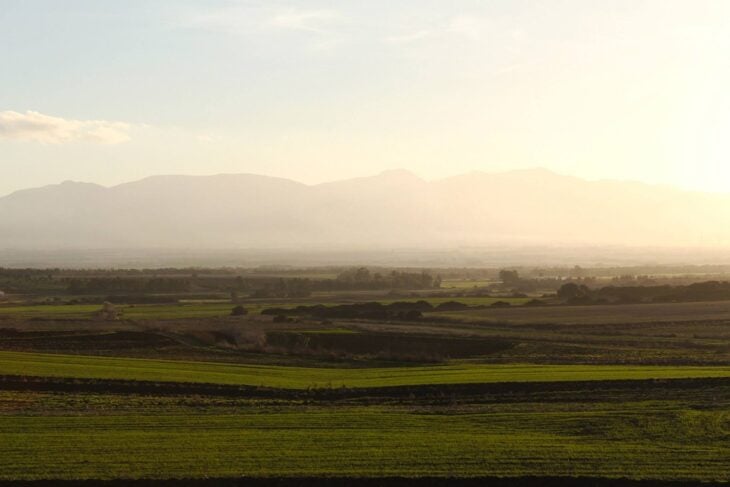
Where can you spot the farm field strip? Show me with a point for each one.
(94, 367)
(620, 314)
(670, 442)
(192, 309)
(517, 314)
(140, 311)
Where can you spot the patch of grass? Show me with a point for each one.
(50, 310)
(21, 363)
(639, 440)
(465, 283)
(330, 331)
(208, 309)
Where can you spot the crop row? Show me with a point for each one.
(637, 441)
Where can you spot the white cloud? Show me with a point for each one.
(470, 27)
(243, 19)
(37, 127)
(304, 20)
(232, 19)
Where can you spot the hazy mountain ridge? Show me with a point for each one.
(395, 208)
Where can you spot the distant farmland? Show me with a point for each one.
(528, 390)
(597, 314)
(194, 309)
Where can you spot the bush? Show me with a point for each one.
(410, 315)
(451, 306)
(239, 311)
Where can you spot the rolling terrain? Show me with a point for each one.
(494, 390)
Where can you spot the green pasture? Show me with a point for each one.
(138, 311)
(208, 309)
(37, 364)
(638, 440)
(465, 283)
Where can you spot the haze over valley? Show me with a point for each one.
(394, 209)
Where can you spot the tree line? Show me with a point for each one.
(574, 293)
(257, 287)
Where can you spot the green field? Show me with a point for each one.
(665, 430)
(35, 364)
(107, 436)
(465, 283)
(147, 311)
(210, 309)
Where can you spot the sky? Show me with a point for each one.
(107, 91)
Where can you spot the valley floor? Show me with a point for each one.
(211, 397)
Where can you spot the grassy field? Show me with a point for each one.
(107, 436)
(20, 363)
(465, 283)
(209, 309)
(517, 314)
(147, 311)
(669, 430)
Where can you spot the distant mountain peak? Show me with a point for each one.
(78, 184)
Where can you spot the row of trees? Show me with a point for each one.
(362, 278)
(261, 287)
(126, 285)
(574, 293)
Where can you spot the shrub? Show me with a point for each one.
(239, 311)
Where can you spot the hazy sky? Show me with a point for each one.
(110, 91)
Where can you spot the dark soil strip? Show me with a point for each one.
(497, 392)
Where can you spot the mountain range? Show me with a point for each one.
(392, 209)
